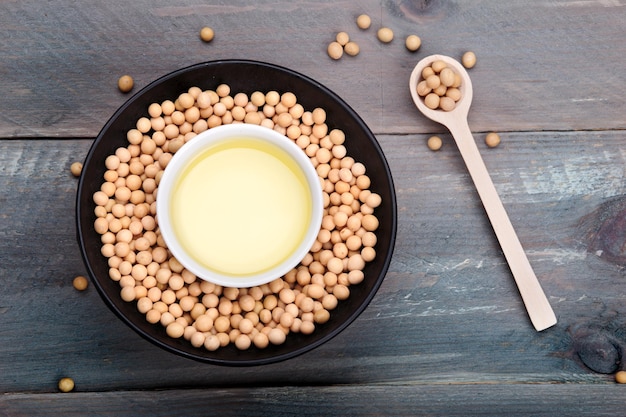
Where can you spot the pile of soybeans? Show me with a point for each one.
(205, 314)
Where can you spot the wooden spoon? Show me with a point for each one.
(537, 305)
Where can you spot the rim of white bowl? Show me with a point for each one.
(215, 135)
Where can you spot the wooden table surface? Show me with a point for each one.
(446, 333)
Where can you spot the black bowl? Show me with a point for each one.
(242, 76)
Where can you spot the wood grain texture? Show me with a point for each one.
(582, 400)
(447, 333)
(537, 61)
(448, 311)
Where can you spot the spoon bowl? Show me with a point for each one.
(462, 107)
(537, 305)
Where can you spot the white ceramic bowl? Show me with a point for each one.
(239, 205)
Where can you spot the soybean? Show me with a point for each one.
(468, 59)
(80, 283)
(76, 169)
(66, 384)
(413, 43)
(207, 34)
(125, 83)
(434, 143)
(363, 21)
(352, 48)
(385, 34)
(342, 38)
(492, 139)
(335, 50)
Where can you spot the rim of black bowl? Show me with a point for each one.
(253, 74)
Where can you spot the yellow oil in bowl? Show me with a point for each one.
(241, 207)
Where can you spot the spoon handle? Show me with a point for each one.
(537, 305)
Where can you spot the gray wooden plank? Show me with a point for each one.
(538, 61)
(447, 313)
(359, 400)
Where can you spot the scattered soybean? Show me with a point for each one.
(434, 143)
(363, 21)
(66, 384)
(125, 83)
(207, 34)
(80, 283)
(385, 34)
(342, 38)
(492, 139)
(76, 169)
(468, 59)
(413, 43)
(335, 50)
(352, 48)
